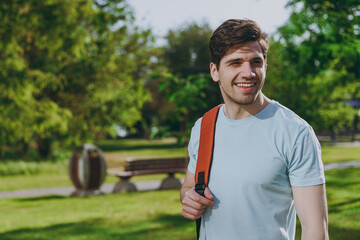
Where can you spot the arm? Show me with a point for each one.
(311, 207)
(193, 204)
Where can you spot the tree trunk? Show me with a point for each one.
(354, 130)
(43, 147)
(333, 136)
(22, 148)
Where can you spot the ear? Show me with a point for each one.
(214, 72)
(266, 64)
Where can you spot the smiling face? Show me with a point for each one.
(241, 75)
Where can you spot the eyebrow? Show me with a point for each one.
(241, 60)
(234, 60)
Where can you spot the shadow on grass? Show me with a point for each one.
(33, 199)
(343, 184)
(173, 227)
(163, 226)
(337, 207)
(337, 233)
(342, 176)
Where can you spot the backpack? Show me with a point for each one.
(205, 154)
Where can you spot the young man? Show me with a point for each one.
(266, 160)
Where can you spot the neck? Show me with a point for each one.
(236, 111)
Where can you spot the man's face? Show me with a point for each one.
(241, 74)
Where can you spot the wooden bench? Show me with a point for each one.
(135, 166)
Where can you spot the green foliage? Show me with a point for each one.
(191, 97)
(313, 62)
(12, 168)
(186, 87)
(30, 165)
(69, 70)
(187, 52)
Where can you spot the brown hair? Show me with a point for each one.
(235, 33)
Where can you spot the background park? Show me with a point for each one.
(83, 71)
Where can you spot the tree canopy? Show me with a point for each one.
(186, 85)
(72, 69)
(69, 69)
(313, 62)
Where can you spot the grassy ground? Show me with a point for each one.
(343, 194)
(331, 154)
(150, 215)
(344, 203)
(142, 215)
(146, 215)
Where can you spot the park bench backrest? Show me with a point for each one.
(154, 164)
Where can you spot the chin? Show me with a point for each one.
(245, 103)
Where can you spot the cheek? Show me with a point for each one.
(229, 76)
(261, 74)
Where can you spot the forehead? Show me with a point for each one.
(248, 50)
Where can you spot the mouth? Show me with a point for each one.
(245, 85)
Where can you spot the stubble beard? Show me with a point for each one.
(245, 99)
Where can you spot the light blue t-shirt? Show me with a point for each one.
(255, 162)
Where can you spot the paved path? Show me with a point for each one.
(141, 186)
(66, 191)
(341, 165)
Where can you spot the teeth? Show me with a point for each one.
(245, 84)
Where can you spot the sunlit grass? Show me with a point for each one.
(150, 215)
(343, 195)
(142, 215)
(331, 154)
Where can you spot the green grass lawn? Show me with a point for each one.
(150, 215)
(142, 215)
(343, 192)
(343, 195)
(331, 154)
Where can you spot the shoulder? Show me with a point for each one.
(195, 134)
(193, 146)
(287, 118)
(290, 130)
(195, 131)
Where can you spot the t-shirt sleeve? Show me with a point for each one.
(193, 146)
(305, 165)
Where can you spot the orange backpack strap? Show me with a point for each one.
(205, 153)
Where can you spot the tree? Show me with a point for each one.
(187, 52)
(319, 51)
(69, 70)
(186, 87)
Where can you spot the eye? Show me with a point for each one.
(235, 63)
(258, 62)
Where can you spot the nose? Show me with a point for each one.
(247, 71)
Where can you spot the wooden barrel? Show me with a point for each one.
(87, 168)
